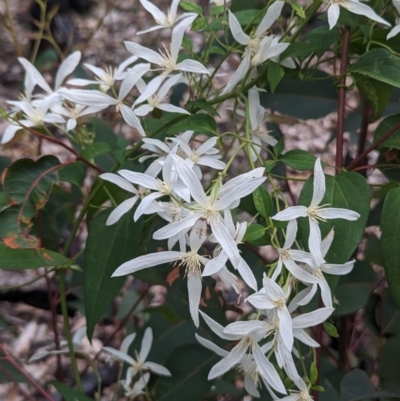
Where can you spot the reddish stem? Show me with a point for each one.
(342, 99)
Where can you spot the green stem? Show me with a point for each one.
(67, 330)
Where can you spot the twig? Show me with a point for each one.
(373, 146)
(364, 128)
(11, 29)
(342, 99)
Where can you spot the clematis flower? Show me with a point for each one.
(316, 213)
(355, 7)
(156, 101)
(220, 256)
(191, 261)
(318, 270)
(138, 365)
(138, 388)
(255, 332)
(258, 44)
(102, 100)
(106, 78)
(167, 59)
(395, 30)
(209, 208)
(302, 395)
(163, 20)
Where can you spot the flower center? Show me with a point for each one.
(279, 303)
(254, 45)
(191, 262)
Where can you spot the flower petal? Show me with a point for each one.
(147, 340)
(120, 355)
(120, 210)
(311, 319)
(211, 346)
(144, 180)
(272, 14)
(176, 227)
(333, 14)
(291, 213)
(67, 67)
(338, 269)
(247, 274)
(121, 182)
(319, 184)
(157, 368)
(338, 213)
(126, 343)
(194, 285)
(237, 31)
(193, 66)
(144, 53)
(363, 9)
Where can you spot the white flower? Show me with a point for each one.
(302, 395)
(169, 185)
(167, 59)
(316, 212)
(209, 207)
(220, 257)
(106, 78)
(353, 6)
(102, 100)
(248, 334)
(258, 44)
(272, 297)
(395, 30)
(138, 365)
(318, 270)
(163, 20)
(156, 101)
(191, 261)
(133, 391)
(288, 256)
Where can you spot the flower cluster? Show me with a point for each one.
(198, 219)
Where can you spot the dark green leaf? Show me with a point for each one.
(313, 373)
(275, 74)
(254, 232)
(390, 241)
(73, 173)
(244, 17)
(189, 365)
(28, 183)
(201, 123)
(107, 248)
(356, 386)
(69, 393)
(217, 10)
(377, 93)
(386, 125)
(322, 38)
(279, 147)
(203, 105)
(379, 64)
(263, 201)
(18, 259)
(299, 159)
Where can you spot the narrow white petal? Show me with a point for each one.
(285, 327)
(67, 67)
(194, 292)
(309, 296)
(120, 355)
(177, 35)
(120, 210)
(311, 319)
(244, 328)
(126, 343)
(82, 82)
(87, 97)
(141, 179)
(157, 368)
(247, 274)
(131, 78)
(394, 32)
(215, 264)
(326, 293)
(131, 119)
(229, 361)
(152, 29)
(157, 14)
(193, 66)
(144, 53)
(99, 72)
(261, 301)
(333, 14)
(338, 213)
(145, 204)
(145, 261)
(177, 226)
(237, 31)
(229, 278)
(217, 328)
(327, 242)
(273, 13)
(272, 289)
(291, 232)
(170, 108)
(291, 213)
(35, 74)
(211, 346)
(363, 9)
(338, 269)
(146, 343)
(267, 370)
(239, 73)
(211, 162)
(250, 387)
(300, 296)
(121, 182)
(299, 273)
(163, 92)
(302, 335)
(143, 110)
(319, 184)
(71, 124)
(151, 89)
(314, 242)
(9, 133)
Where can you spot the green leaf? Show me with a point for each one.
(356, 386)
(348, 191)
(203, 105)
(28, 183)
(19, 259)
(275, 74)
(377, 93)
(299, 159)
(299, 10)
(279, 147)
(69, 393)
(192, 7)
(107, 248)
(216, 10)
(313, 373)
(379, 64)
(263, 201)
(201, 123)
(390, 241)
(322, 38)
(96, 149)
(244, 17)
(254, 232)
(73, 173)
(189, 365)
(331, 329)
(384, 126)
